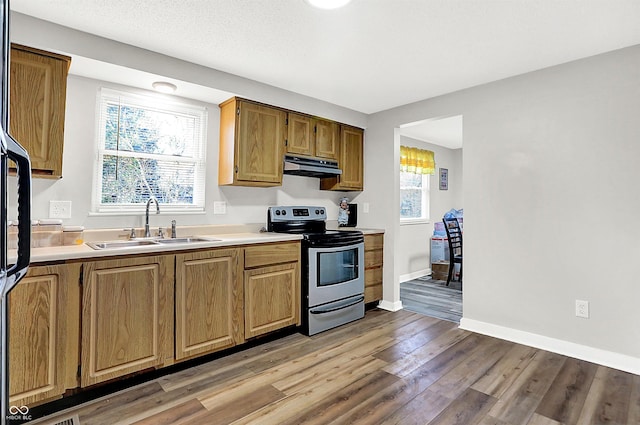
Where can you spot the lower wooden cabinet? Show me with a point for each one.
(209, 308)
(373, 255)
(271, 298)
(127, 316)
(271, 288)
(79, 324)
(44, 324)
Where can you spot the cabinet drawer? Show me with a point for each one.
(261, 255)
(373, 276)
(372, 258)
(372, 293)
(373, 242)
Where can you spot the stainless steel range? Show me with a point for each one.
(332, 269)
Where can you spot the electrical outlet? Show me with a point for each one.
(582, 309)
(219, 207)
(59, 209)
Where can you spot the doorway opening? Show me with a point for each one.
(423, 261)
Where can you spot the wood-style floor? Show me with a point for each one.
(389, 368)
(432, 298)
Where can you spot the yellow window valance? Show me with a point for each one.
(419, 161)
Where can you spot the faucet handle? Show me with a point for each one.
(132, 232)
(173, 229)
(160, 232)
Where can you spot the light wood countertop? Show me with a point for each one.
(74, 252)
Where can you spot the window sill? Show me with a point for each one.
(412, 221)
(163, 211)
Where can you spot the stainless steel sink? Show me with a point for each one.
(121, 244)
(189, 239)
(147, 242)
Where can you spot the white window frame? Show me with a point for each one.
(157, 102)
(426, 194)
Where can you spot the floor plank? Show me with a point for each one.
(564, 400)
(528, 389)
(609, 398)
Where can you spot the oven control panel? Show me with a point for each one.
(289, 213)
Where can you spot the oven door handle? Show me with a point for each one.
(329, 310)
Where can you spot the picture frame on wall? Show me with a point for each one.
(444, 178)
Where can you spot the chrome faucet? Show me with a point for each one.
(173, 229)
(147, 233)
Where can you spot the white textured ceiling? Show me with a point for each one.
(369, 56)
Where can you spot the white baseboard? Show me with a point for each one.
(571, 349)
(390, 306)
(411, 276)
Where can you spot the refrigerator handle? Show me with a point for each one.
(17, 154)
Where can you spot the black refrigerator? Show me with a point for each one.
(10, 274)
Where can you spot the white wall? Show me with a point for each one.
(549, 162)
(413, 254)
(244, 204)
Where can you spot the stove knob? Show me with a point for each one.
(284, 212)
(322, 212)
(277, 212)
(317, 212)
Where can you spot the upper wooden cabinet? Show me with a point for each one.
(312, 136)
(127, 316)
(350, 160)
(300, 134)
(252, 139)
(327, 137)
(44, 326)
(209, 302)
(38, 91)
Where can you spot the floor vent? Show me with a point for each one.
(73, 420)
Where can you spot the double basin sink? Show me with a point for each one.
(147, 242)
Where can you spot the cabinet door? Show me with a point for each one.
(272, 298)
(260, 144)
(127, 317)
(299, 134)
(327, 134)
(209, 297)
(37, 105)
(351, 155)
(351, 160)
(44, 325)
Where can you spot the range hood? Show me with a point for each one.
(311, 167)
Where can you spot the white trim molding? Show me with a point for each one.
(390, 306)
(413, 275)
(571, 349)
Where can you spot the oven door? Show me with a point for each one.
(335, 273)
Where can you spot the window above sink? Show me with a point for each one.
(148, 146)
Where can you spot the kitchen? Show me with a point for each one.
(506, 143)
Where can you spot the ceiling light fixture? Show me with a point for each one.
(164, 87)
(328, 4)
